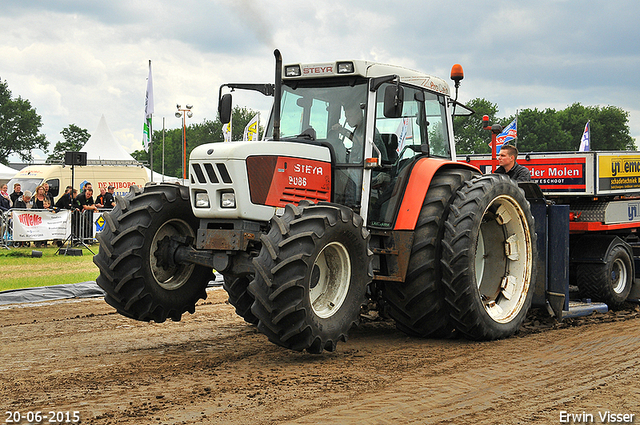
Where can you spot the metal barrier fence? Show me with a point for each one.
(20, 227)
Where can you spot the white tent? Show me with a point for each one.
(102, 145)
(7, 173)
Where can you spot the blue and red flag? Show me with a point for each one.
(509, 133)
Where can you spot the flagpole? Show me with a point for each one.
(151, 144)
(162, 149)
(151, 135)
(516, 143)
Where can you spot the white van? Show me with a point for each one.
(59, 177)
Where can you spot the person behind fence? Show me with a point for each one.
(47, 193)
(66, 201)
(84, 202)
(5, 199)
(100, 198)
(24, 201)
(85, 186)
(110, 198)
(40, 198)
(17, 192)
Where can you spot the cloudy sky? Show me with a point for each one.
(78, 59)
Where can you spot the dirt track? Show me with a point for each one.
(213, 368)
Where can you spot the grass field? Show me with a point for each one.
(18, 269)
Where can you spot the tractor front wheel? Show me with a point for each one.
(311, 276)
(139, 234)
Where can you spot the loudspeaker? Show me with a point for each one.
(75, 158)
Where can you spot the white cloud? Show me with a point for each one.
(76, 60)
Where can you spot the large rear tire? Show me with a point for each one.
(610, 282)
(488, 258)
(311, 276)
(417, 304)
(137, 282)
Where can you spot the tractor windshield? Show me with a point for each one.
(330, 112)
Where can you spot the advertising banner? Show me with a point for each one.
(618, 172)
(40, 225)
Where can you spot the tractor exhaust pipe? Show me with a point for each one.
(277, 96)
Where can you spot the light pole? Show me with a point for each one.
(184, 113)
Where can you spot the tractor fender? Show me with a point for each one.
(416, 189)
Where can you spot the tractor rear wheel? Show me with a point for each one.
(138, 280)
(417, 305)
(488, 258)
(311, 276)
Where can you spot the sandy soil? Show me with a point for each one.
(213, 368)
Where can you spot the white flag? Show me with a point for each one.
(585, 141)
(251, 131)
(148, 112)
(226, 130)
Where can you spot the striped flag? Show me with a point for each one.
(509, 133)
(148, 112)
(585, 141)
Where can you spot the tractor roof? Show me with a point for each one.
(365, 69)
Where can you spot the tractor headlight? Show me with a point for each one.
(292, 71)
(228, 200)
(202, 200)
(345, 67)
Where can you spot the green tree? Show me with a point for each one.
(74, 139)
(540, 131)
(547, 130)
(19, 127)
(196, 134)
(609, 126)
(469, 134)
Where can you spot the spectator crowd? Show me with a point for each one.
(42, 199)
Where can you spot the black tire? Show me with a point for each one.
(236, 283)
(130, 273)
(311, 276)
(417, 304)
(488, 258)
(609, 283)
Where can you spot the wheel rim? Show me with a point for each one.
(330, 278)
(618, 276)
(503, 259)
(170, 278)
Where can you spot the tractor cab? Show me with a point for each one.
(375, 120)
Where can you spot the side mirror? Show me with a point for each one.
(393, 101)
(224, 109)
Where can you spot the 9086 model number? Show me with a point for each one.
(51, 417)
(297, 181)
